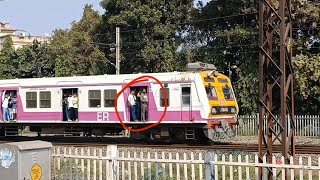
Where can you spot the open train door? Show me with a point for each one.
(65, 113)
(186, 104)
(12, 94)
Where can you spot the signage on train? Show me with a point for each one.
(224, 110)
(37, 89)
(103, 116)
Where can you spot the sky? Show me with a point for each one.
(37, 17)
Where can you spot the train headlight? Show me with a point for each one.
(214, 110)
(233, 110)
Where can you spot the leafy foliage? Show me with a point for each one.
(74, 50)
(158, 36)
(34, 61)
(8, 59)
(308, 81)
(230, 42)
(149, 38)
(236, 35)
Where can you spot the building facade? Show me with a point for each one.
(19, 39)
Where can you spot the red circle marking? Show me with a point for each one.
(137, 80)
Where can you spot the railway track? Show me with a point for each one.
(124, 142)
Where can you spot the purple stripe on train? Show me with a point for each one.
(108, 116)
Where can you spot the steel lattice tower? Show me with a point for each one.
(275, 81)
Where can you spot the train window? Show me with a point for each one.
(185, 95)
(31, 99)
(162, 96)
(211, 92)
(222, 80)
(45, 99)
(227, 93)
(208, 79)
(109, 97)
(94, 98)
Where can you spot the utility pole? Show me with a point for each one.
(117, 50)
(276, 84)
(126, 132)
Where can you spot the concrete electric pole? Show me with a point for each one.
(118, 50)
(126, 132)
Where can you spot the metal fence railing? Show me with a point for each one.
(306, 125)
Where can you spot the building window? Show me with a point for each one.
(31, 99)
(162, 97)
(94, 98)
(45, 99)
(186, 95)
(109, 97)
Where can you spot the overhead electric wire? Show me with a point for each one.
(181, 40)
(133, 43)
(184, 23)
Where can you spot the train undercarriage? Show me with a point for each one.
(174, 133)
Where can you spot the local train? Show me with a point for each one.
(200, 102)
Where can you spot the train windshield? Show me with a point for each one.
(211, 92)
(228, 95)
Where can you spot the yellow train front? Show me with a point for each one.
(222, 118)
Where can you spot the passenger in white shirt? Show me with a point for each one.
(5, 110)
(132, 105)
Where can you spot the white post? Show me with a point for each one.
(112, 154)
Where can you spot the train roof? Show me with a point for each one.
(192, 70)
(108, 78)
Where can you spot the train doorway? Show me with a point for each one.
(12, 109)
(186, 110)
(70, 104)
(142, 103)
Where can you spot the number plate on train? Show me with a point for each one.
(224, 110)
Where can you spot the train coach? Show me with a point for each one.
(200, 102)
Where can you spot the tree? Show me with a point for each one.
(232, 26)
(307, 75)
(306, 60)
(74, 50)
(8, 59)
(149, 32)
(35, 60)
(226, 32)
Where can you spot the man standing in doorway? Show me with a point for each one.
(144, 105)
(132, 105)
(70, 107)
(5, 103)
